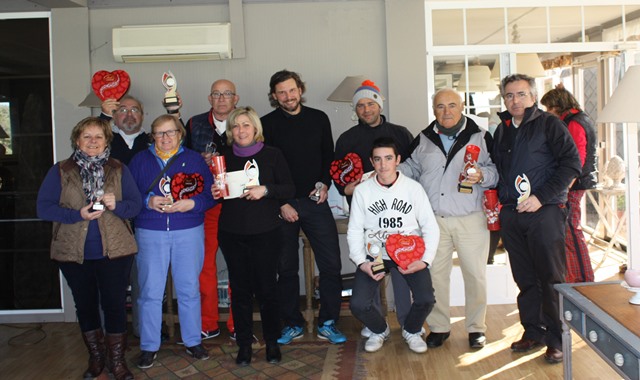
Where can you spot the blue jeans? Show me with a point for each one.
(184, 250)
(316, 220)
(99, 283)
(365, 288)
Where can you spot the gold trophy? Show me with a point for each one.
(169, 82)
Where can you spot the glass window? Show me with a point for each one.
(565, 24)
(527, 25)
(448, 27)
(485, 26)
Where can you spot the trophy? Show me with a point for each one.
(220, 174)
(316, 196)
(169, 82)
(523, 187)
(374, 251)
(470, 159)
(97, 205)
(211, 148)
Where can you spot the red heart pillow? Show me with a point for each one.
(404, 249)
(110, 85)
(185, 186)
(346, 170)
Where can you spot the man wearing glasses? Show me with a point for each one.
(206, 134)
(128, 136)
(536, 160)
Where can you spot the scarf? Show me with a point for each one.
(451, 131)
(91, 171)
(165, 156)
(247, 151)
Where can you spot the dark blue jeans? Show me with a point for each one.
(316, 220)
(99, 283)
(365, 289)
(253, 266)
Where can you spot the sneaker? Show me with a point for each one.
(204, 335)
(290, 333)
(330, 332)
(365, 332)
(415, 342)
(146, 359)
(198, 352)
(209, 334)
(375, 341)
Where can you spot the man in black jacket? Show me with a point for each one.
(536, 160)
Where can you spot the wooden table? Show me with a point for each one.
(603, 317)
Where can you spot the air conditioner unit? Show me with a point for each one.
(179, 42)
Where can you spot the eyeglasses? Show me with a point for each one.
(226, 94)
(170, 133)
(133, 110)
(520, 95)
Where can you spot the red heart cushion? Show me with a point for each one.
(110, 85)
(346, 170)
(185, 186)
(404, 249)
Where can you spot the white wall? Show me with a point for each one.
(324, 42)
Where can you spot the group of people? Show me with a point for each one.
(163, 183)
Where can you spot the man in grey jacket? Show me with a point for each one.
(437, 160)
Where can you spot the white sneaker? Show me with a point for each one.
(375, 341)
(415, 342)
(365, 332)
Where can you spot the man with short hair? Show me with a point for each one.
(206, 134)
(388, 204)
(368, 104)
(128, 137)
(437, 161)
(536, 159)
(303, 134)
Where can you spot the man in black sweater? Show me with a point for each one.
(128, 138)
(303, 135)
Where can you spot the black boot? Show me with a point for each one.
(244, 356)
(273, 353)
(117, 345)
(94, 340)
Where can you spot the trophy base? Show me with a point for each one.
(97, 207)
(378, 269)
(314, 198)
(465, 188)
(171, 101)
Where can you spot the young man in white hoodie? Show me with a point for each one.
(390, 203)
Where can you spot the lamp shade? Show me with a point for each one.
(526, 63)
(346, 88)
(91, 100)
(623, 104)
(479, 80)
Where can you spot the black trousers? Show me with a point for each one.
(316, 220)
(535, 243)
(99, 283)
(253, 264)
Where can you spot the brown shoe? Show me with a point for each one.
(524, 345)
(94, 340)
(553, 355)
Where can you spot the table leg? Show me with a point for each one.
(566, 344)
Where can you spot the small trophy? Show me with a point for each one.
(97, 205)
(169, 82)
(523, 187)
(470, 159)
(211, 147)
(374, 251)
(316, 196)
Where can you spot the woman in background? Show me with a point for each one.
(89, 198)
(562, 104)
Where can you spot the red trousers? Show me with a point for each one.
(209, 274)
(579, 267)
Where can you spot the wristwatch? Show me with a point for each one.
(266, 191)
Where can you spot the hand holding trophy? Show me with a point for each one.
(316, 196)
(97, 204)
